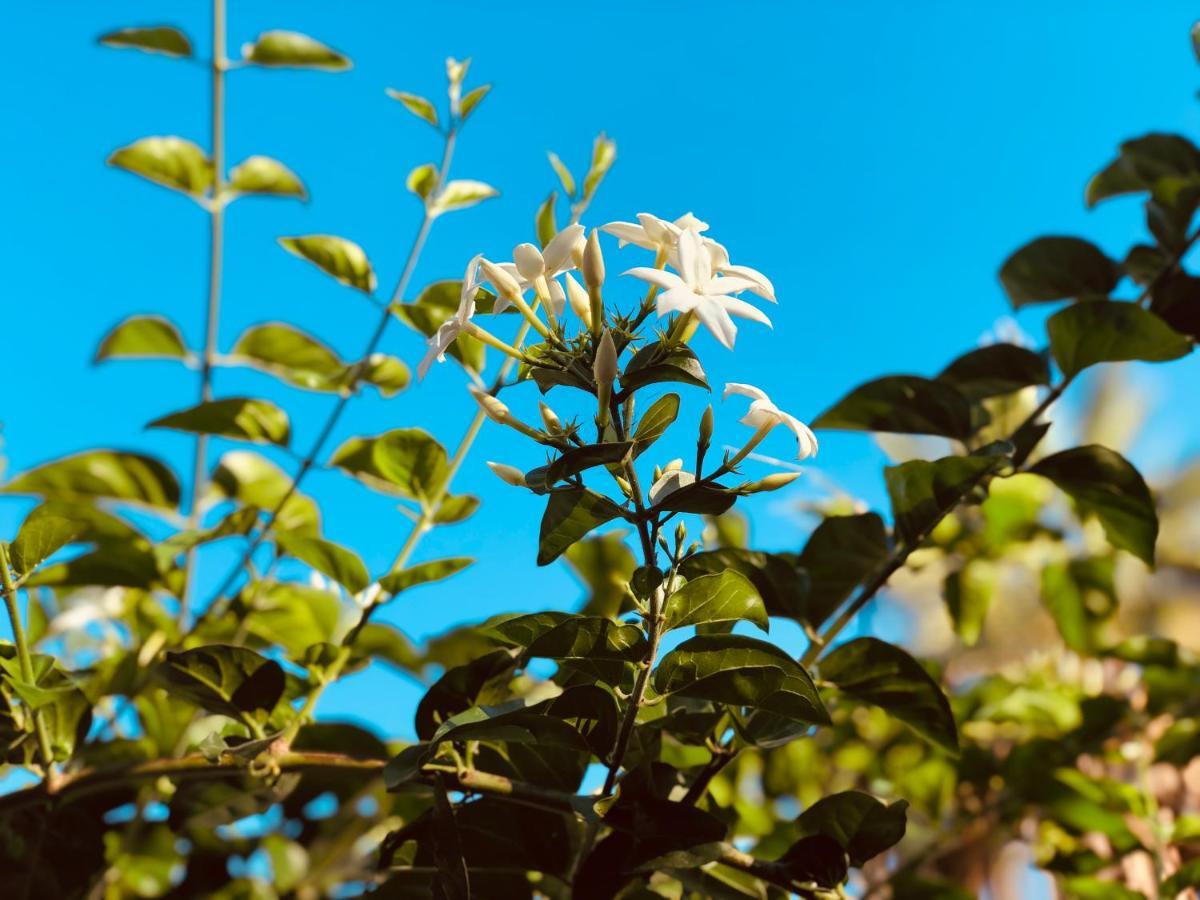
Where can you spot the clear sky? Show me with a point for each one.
(877, 160)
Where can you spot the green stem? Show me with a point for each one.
(24, 657)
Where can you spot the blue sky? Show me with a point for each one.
(878, 161)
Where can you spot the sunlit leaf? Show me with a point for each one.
(922, 492)
(1110, 331)
(263, 175)
(417, 105)
(129, 477)
(291, 354)
(328, 558)
(41, 535)
(569, 516)
(254, 481)
(406, 461)
(142, 337)
(422, 180)
(152, 39)
(294, 616)
(461, 194)
(435, 305)
(564, 174)
(240, 418)
(774, 576)
(725, 597)
(295, 50)
(655, 422)
(170, 161)
(337, 257)
(423, 573)
(472, 99)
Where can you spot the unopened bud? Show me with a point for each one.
(508, 474)
(529, 261)
(493, 408)
(662, 542)
(673, 466)
(593, 262)
(604, 367)
(550, 419)
(624, 485)
(770, 483)
(680, 532)
(504, 283)
(578, 298)
(706, 427)
(658, 473)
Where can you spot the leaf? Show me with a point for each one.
(422, 180)
(563, 173)
(569, 516)
(406, 461)
(170, 161)
(417, 105)
(995, 370)
(337, 257)
(655, 422)
(922, 492)
(294, 616)
(460, 688)
(292, 49)
(388, 374)
(256, 482)
(142, 337)
(604, 154)
(1056, 268)
(130, 565)
(741, 671)
(774, 575)
(153, 39)
(472, 99)
(240, 418)
(266, 176)
(128, 477)
(460, 194)
(580, 459)
(437, 303)
(1103, 484)
(41, 535)
(968, 592)
(902, 404)
(882, 674)
(224, 679)
(289, 353)
(1154, 162)
(861, 825)
(725, 597)
(841, 553)
(544, 223)
(661, 362)
(1080, 595)
(423, 573)
(702, 498)
(556, 635)
(455, 508)
(511, 722)
(328, 558)
(1111, 331)
(385, 643)
(605, 565)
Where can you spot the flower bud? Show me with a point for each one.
(706, 427)
(578, 298)
(673, 466)
(604, 368)
(529, 261)
(624, 485)
(508, 474)
(504, 283)
(495, 410)
(550, 419)
(771, 483)
(593, 262)
(680, 532)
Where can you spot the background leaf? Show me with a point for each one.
(1055, 268)
(263, 175)
(170, 161)
(1110, 331)
(142, 337)
(241, 418)
(903, 404)
(293, 50)
(153, 39)
(337, 257)
(129, 477)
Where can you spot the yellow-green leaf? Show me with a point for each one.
(336, 257)
(291, 49)
(415, 104)
(462, 194)
(153, 39)
(170, 161)
(422, 180)
(240, 418)
(142, 337)
(263, 175)
(472, 99)
(129, 477)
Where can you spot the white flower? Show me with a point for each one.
(759, 283)
(764, 414)
(652, 232)
(449, 330)
(530, 263)
(670, 481)
(696, 289)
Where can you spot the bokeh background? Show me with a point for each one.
(878, 161)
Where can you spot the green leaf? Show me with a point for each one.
(423, 573)
(543, 222)
(291, 49)
(142, 337)
(882, 674)
(170, 161)
(511, 722)
(662, 362)
(337, 257)
(455, 508)
(557, 635)
(774, 575)
(1155, 162)
(564, 174)
(604, 154)
(1080, 595)
(131, 565)
(725, 597)
(328, 558)
(1056, 268)
(841, 553)
(580, 459)
(406, 461)
(968, 592)
(861, 825)
(1111, 331)
(476, 683)
(472, 99)
(569, 516)
(41, 535)
(437, 303)
(289, 353)
(995, 370)
(1103, 484)
(605, 565)
(702, 498)
(655, 422)
(1187, 876)
(256, 482)
(224, 679)
(922, 492)
(240, 418)
(385, 643)
(153, 39)
(460, 194)
(294, 616)
(388, 374)
(263, 175)
(418, 106)
(741, 671)
(112, 474)
(903, 404)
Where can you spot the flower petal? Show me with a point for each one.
(694, 265)
(628, 233)
(558, 252)
(744, 390)
(736, 307)
(716, 320)
(806, 440)
(758, 282)
(666, 280)
(677, 300)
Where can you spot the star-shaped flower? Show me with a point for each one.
(449, 330)
(652, 232)
(765, 415)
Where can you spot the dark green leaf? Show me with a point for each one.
(556, 635)
(994, 370)
(452, 881)
(702, 498)
(580, 459)
(223, 679)
(328, 558)
(725, 597)
(291, 49)
(423, 573)
(142, 337)
(1103, 484)
(774, 575)
(1155, 162)
(904, 404)
(655, 422)
(841, 553)
(511, 722)
(861, 825)
(337, 257)
(129, 477)
(1111, 331)
(170, 161)
(240, 418)
(1055, 268)
(660, 362)
(741, 671)
(882, 674)
(474, 684)
(153, 39)
(569, 516)
(922, 492)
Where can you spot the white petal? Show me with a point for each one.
(744, 390)
(716, 320)
(628, 233)
(558, 300)
(694, 265)
(736, 307)
(758, 282)
(558, 252)
(528, 261)
(687, 220)
(727, 285)
(659, 231)
(470, 288)
(664, 279)
(677, 300)
(806, 440)
(578, 298)
(669, 483)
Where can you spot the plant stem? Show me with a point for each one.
(212, 317)
(24, 657)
